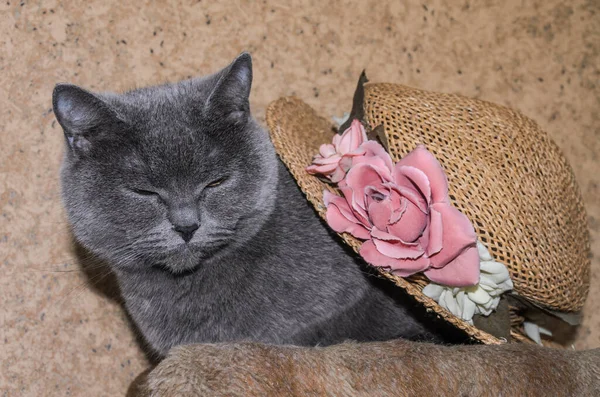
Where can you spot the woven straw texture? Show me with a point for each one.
(504, 174)
(507, 176)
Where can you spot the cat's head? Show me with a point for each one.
(169, 176)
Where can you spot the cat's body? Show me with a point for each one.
(180, 190)
(292, 284)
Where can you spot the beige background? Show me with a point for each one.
(61, 337)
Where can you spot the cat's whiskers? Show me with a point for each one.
(218, 237)
(79, 290)
(130, 257)
(222, 232)
(151, 241)
(85, 260)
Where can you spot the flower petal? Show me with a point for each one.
(341, 219)
(373, 153)
(337, 138)
(408, 267)
(447, 300)
(382, 235)
(484, 254)
(506, 285)
(399, 205)
(400, 267)
(352, 138)
(359, 134)
(321, 169)
(468, 308)
(337, 175)
(487, 284)
(487, 308)
(479, 296)
(433, 291)
(495, 271)
(359, 177)
(397, 249)
(327, 150)
(406, 176)
(422, 159)
(459, 296)
(318, 160)
(460, 272)
(411, 225)
(411, 194)
(379, 213)
(457, 234)
(357, 207)
(436, 241)
(345, 162)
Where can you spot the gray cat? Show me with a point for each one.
(180, 190)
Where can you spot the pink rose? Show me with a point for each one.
(404, 213)
(329, 162)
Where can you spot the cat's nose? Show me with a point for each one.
(186, 232)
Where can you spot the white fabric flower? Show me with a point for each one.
(482, 298)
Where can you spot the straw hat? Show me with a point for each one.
(504, 173)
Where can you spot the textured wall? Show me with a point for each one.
(59, 336)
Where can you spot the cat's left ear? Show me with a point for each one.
(230, 98)
(82, 115)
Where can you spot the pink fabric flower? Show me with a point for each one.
(404, 213)
(331, 161)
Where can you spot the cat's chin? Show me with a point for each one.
(181, 260)
(177, 270)
(185, 259)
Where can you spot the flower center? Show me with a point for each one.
(377, 196)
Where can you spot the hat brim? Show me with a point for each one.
(297, 131)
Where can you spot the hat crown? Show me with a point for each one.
(507, 176)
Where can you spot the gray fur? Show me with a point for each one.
(261, 266)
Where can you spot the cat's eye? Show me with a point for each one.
(143, 192)
(217, 182)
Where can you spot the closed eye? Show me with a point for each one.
(143, 192)
(217, 182)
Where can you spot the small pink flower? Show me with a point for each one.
(404, 213)
(331, 161)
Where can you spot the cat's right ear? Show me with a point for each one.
(229, 99)
(80, 113)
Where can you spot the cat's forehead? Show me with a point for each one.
(169, 128)
(162, 105)
(175, 143)
(167, 115)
